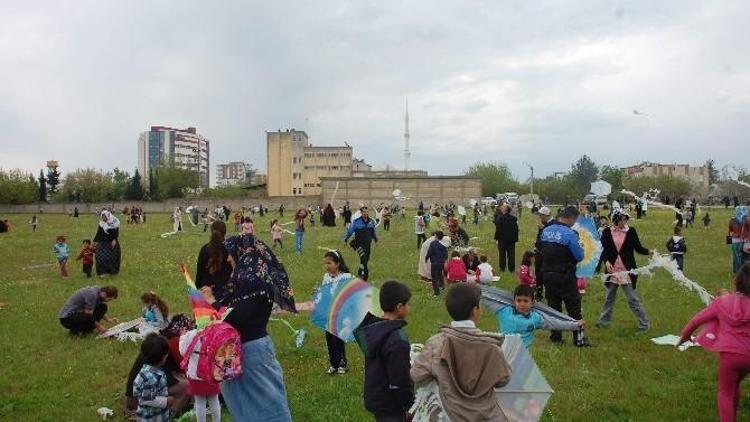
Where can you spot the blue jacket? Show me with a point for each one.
(560, 249)
(437, 253)
(513, 322)
(358, 225)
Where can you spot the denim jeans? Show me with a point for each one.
(633, 301)
(298, 235)
(736, 257)
(259, 394)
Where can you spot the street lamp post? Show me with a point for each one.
(532, 179)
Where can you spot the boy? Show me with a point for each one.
(150, 385)
(87, 257)
(419, 225)
(521, 319)
(484, 271)
(388, 389)
(677, 248)
(466, 363)
(437, 254)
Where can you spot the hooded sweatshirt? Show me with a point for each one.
(388, 387)
(467, 365)
(726, 324)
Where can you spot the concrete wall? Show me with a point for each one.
(372, 191)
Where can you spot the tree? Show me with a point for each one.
(558, 190)
(174, 182)
(613, 176)
(88, 185)
(713, 172)
(17, 187)
(671, 186)
(42, 187)
(53, 179)
(153, 185)
(582, 173)
(134, 191)
(496, 177)
(120, 182)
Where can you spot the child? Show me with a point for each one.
(87, 257)
(238, 220)
(726, 330)
(205, 220)
(203, 392)
(388, 388)
(312, 218)
(707, 221)
(677, 248)
(455, 268)
(689, 217)
(386, 219)
(467, 363)
(155, 310)
(419, 225)
(525, 272)
(336, 270)
(276, 231)
(522, 319)
(437, 254)
(33, 223)
(247, 226)
(61, 251)
(484, 271)
(150, 385)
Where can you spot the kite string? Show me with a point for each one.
(665, 262)
(747, 185)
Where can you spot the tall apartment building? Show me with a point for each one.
(696, 174)
(295, 166)
(183, 147)
(234, 173)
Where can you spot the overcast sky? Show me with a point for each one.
(541, 82)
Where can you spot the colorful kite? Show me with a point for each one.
(588, 237)
(340, 307)
(204, 313)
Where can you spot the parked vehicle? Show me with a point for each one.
(508, 197)
(488, 200)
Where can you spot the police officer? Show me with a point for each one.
(560, 252)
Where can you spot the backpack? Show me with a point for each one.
(220, 354)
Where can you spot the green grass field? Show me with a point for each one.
(45, 374)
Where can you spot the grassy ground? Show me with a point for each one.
(47, 375)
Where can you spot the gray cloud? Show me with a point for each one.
(542, 82)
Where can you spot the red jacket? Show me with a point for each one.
(456, 269)
(87, 255)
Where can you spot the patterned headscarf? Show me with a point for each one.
(111, 223)
(257, 272)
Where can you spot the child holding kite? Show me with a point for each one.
(726, 330)
(336, 270)
(155, 310)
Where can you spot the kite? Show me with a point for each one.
(522, 400)
(657, 204)
(588, 237)
(204, 313)
(341, 306)
(299, 334)
(670, 265)
(494, 299)
(124, 330)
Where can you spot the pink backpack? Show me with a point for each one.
(220, 353)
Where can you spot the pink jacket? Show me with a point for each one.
(726, 325)
(456, 269)
(525, 276)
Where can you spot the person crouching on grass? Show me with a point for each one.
(467, 363)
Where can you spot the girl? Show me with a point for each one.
(525, 274)
(33, 223)
(726, 330)
(61, 251)
(203, 392)
(238, 222)
(276, 231)
(155, 310)
(619, 242)
(455, 269)
(247, 226)
(336, 270)
(299, 230)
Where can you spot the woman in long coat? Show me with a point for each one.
(107, 241)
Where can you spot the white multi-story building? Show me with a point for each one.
(234, 173)
(182, 147)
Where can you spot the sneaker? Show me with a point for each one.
(331, 371)
(342, 370)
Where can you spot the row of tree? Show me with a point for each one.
(574, 184)
(92, 185)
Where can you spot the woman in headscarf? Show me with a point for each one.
(107, 243)
(329, 216)
(213, 268)
(258, 281)
(177, 220)
(619, 243)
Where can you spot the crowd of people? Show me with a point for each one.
(163, 382)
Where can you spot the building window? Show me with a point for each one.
(294, 191)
